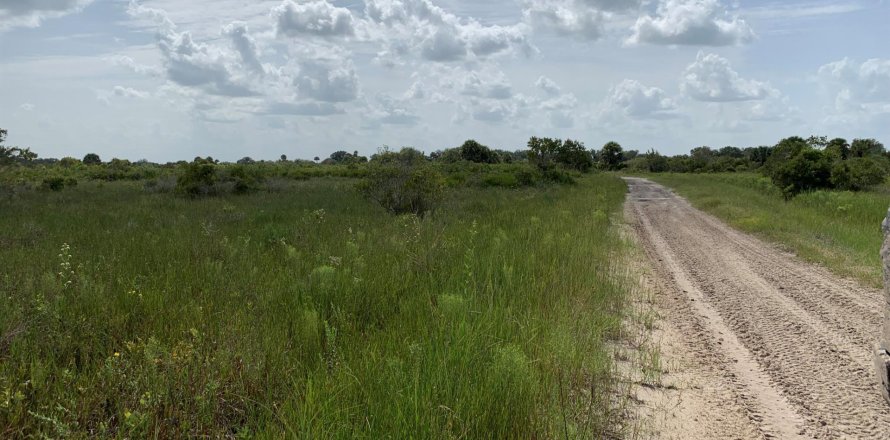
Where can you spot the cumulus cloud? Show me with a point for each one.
(306, 108)
(637, 101)
(391, 111)
(129, 92)
(419, 26)
(319, 18)
(691, 22)
(486, 85)
(191, 64)
(583, 19)
(30, 13)
(711, 78)
(548, 86)
(858, 84)
(327, 81)
(245, 45)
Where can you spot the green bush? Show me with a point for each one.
(198, 179)
(53, 183)
(404, 189)
(808, 170)
(505, 180)
(858, 173)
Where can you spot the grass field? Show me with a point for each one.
(310, 312)
(838, 229)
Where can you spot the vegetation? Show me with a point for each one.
(838, 229)
(309, 312)
(794, 165)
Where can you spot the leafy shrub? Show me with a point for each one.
(558, 176)
(505, 180)
(53, 183)
(808, 170)
(858, 173)
(197, 179)
(404, 189)
(473, 151)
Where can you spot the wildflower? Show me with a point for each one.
(117, 354)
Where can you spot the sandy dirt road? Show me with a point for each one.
(756, 343)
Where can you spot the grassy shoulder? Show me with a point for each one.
(310, 312)
(837, 229)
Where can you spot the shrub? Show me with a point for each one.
(858, 173)
(197, 179)
(92, 159)
(473, 151)
(506, 180)
(404, 189)
(572, 154)
(807, 170)
(53, 183)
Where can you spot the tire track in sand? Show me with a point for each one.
(794, 341)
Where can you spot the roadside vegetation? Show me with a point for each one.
(392, 297)
(838, 229)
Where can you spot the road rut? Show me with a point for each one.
(790, 344)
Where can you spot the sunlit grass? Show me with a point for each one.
(310, 312)
(838, 229)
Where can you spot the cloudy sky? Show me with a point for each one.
(172, 79)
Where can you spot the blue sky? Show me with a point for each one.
(173, 79)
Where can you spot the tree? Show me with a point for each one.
(473, 151)
(809, 169)
(866, 147)
(858, 173)
(572, 154)
(655, 162)
(542, 152)
(3, 133)
(246, 161)
(611, 157)
(283, 158)
(92, 159)
(838, 149)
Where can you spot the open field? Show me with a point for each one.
(310, 312)
(838, 229)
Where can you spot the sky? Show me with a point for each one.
(166, 80)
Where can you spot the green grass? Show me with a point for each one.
(310, 312)
(838, 229)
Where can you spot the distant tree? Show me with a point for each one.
(341, 157)
(655, 162)
(473, 151)
(865, 148)
(283, 158)
(785, 150)
(838, 149)
(245, 161)
(3, 133)
(611, 157)
(818, 142)
(630, 154)
(92, 159)
(809, 169)
(68, 162)
(733, 152)
(542, 152)
(572, 154)
(758, 156)
(316, 159)
(859, 173)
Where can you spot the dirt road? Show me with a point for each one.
(757, 343)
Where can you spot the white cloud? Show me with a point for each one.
(858, 83)
(202, 66)
(691, 22)
(30, 13)
(565, 18)
(245, 45)
(129, 92)
(419, 26)
(711, 78)
(306, 108)
(637, 101)
(318, 18)
(487, 85)
(391, 111)
(327, 81)
(548, 86)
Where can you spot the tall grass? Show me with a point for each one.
(309, 312)
(838, 229)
